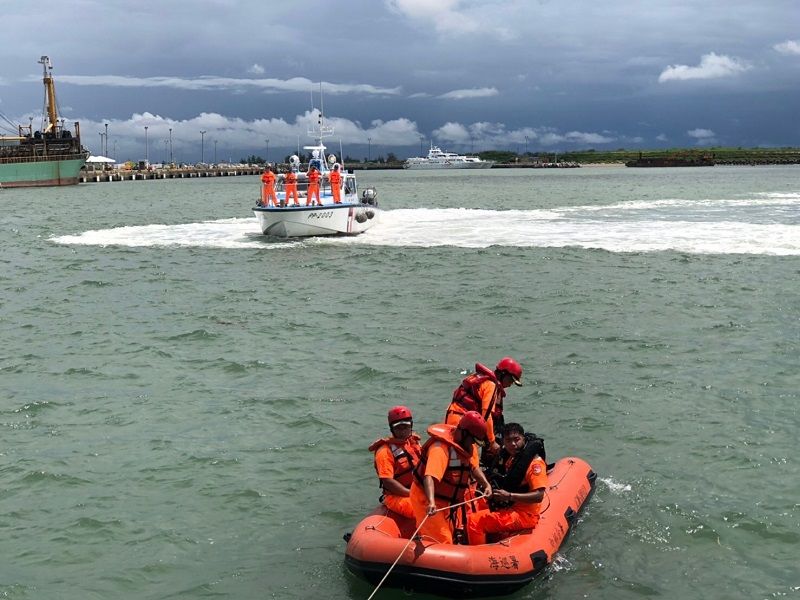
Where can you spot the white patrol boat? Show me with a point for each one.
(439, 159)
(354, 213)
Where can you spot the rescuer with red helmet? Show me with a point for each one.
(448, 463)
(395, 459)
(483, 391)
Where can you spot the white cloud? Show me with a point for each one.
(712, 66)
(484, 92)
(495, 135)
(446, 16)
(662, 137)
(295, 84)
(256, 69)
(703, 137)
(700, 133)
(788, 47)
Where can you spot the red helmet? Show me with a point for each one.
(399, 413)
(473, 423)
(512, 367)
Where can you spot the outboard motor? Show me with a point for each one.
(369, 196)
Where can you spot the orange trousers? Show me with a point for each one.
(437, 527)
(399, 504)
(291, 191)
(337, 194)
(313, 190)
(267, 194)
(506, 520)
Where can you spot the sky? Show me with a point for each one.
(398, 75)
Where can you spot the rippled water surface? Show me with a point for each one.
(186, 405)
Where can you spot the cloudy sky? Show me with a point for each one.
(468, 74)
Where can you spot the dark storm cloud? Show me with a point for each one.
(472, 74)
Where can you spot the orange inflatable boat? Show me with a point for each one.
(470, 571)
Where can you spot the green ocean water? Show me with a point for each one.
(185, 406)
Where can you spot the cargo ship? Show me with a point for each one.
(49, 156)
(673, 160)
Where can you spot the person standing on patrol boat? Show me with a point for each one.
(335, 178)
(290, 185)
(313, 186)
(268, 187)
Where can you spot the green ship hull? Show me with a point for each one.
(41, 172)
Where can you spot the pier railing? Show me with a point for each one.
(89, 176)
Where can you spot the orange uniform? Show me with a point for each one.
(518, 516)
(450, 467)
(268, 189)
(290, 185)
(336, 186)
(396, 459)
(313, 187)
(489, 393)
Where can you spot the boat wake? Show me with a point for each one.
(766, 224)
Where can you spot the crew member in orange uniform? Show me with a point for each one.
(483, 391)
(395, 459)
(268, 187)
(313, 186)
(519, 482)
(447, 462)
(336, 184)
(290, 185)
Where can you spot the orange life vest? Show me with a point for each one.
(290, 179)
(335, 178)
(466, 398)
(313, 178)
(406, 456)
(268, 179)
(456, 478)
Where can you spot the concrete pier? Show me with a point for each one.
(89, 176)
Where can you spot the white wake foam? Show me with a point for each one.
(766, 224)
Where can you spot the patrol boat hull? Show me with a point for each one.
(306, 221)
(458, 571)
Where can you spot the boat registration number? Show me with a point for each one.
(321, 215)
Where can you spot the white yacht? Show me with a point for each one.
(439, 159)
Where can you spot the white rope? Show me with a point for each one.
(413, 535)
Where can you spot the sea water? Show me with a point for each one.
(185, 405)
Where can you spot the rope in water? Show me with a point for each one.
(414, 535)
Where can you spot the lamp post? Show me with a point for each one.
(166, 141)
(170, 146)
(146, 148)
(101, 142)
(267, 158)
(369, 149)
(115, 150)
(526, 145)
(421, 139)
(202, 147)
(105, 152)
(215, 151)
